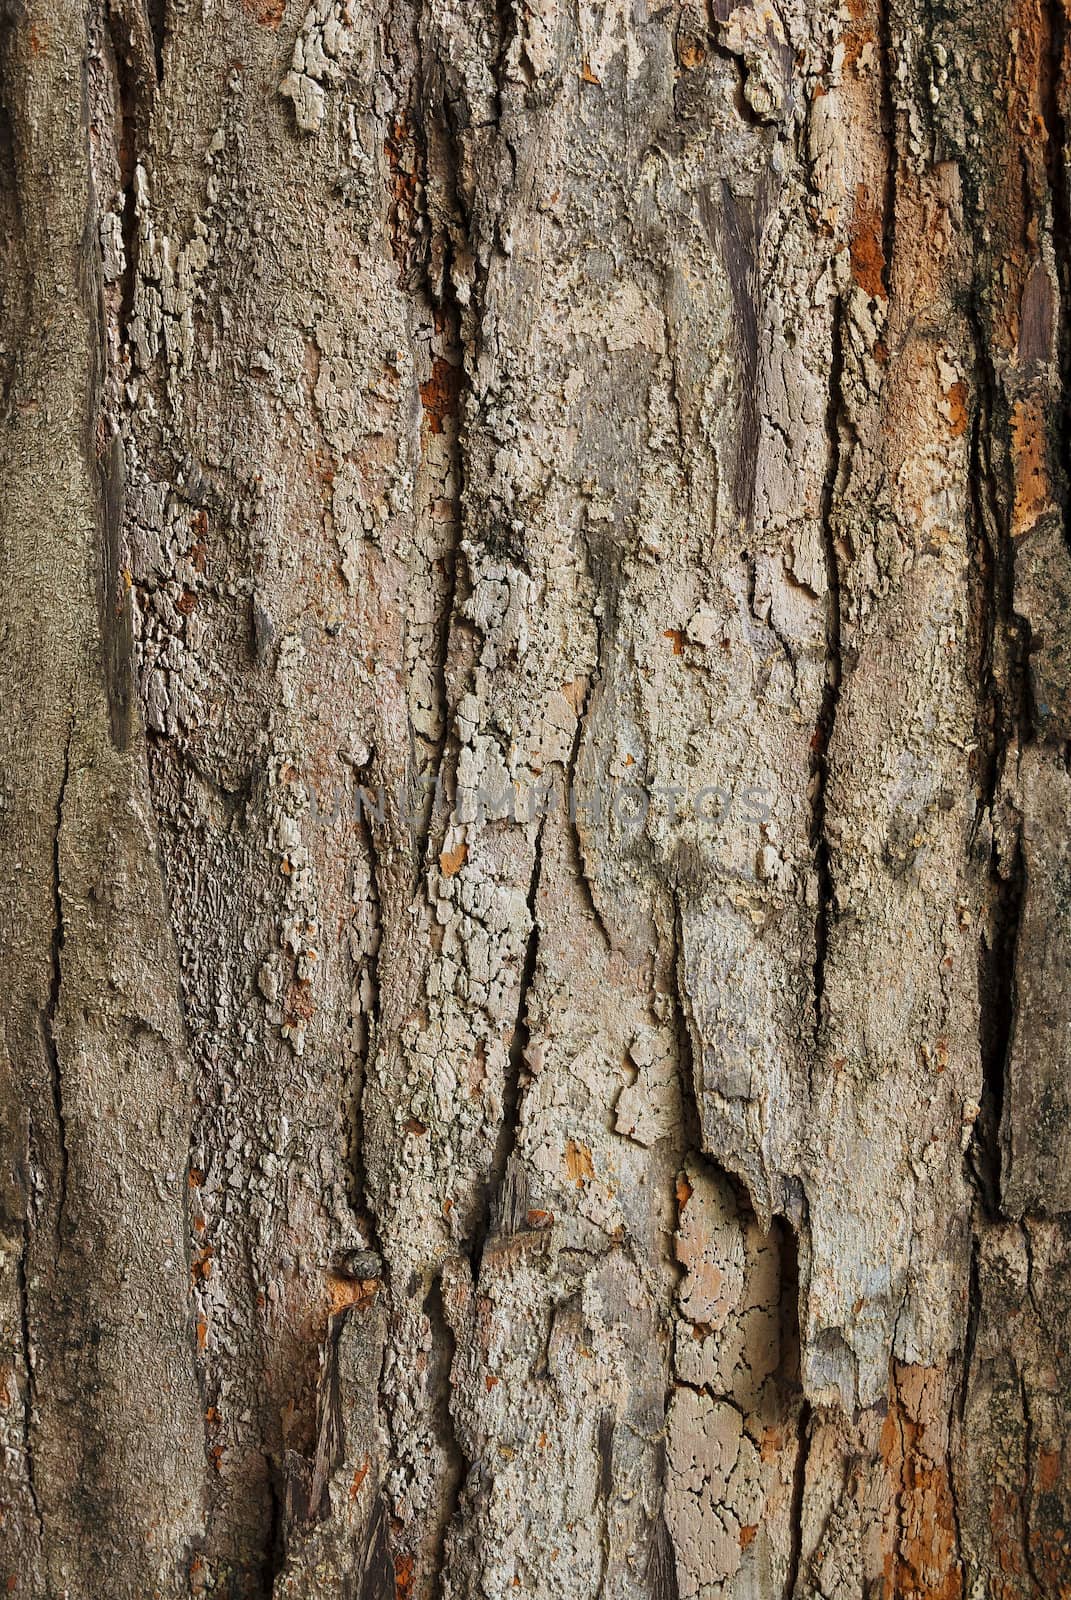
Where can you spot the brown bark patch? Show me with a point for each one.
(1036, 315)
(440, 393)
(867, 251)
(1033, 487)
(299, 1002)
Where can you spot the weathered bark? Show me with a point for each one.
(413, 1185)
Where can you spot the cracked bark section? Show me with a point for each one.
(661, 1196)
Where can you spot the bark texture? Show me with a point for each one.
(535, 800)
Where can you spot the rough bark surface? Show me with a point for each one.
(535, 799)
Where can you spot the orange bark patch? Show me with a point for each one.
(358, 1478)
(440, 393)
(867, 251)
(202, 1333)
(1005, 1524)
(747, 1534)
(921, 1545)
(578, 1162)
(773, 1442)
(451, 861)
(400, 151)
(269, 13)
(586, 74)
(342, 1293)
(956, 399)
(684, 1192)
(403, 1577)
(690, 51)
(1033, 488)
(677, 639)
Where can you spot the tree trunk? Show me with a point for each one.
(536, 805)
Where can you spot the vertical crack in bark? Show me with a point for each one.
(1003, 714)
(799, 1485)
(1051, 90)
(1028, 1422)
(156, 11)
(1024, 1499)
(604, 1447)
(126, 155)
(886, 56)
(442, 661)
(587, 887)
(687, 1076)
(953, 1490)
(997, 1019)
(991, 576)
(274, 1544)
(361, 1196)
(51, 1008)
(506, 1142)
(733, 230)
(507, 27)
(827, 714)
(378, 1580)
(410, 227)
(456, 1465)
(135, 30)
(30, 1407)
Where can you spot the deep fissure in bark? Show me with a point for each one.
(1053, 95)
(827, 716)
(513, 1084)
(51, 1011)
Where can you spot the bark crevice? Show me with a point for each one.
(825, 725)
(51, 1009)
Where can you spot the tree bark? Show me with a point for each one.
(535, 800)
